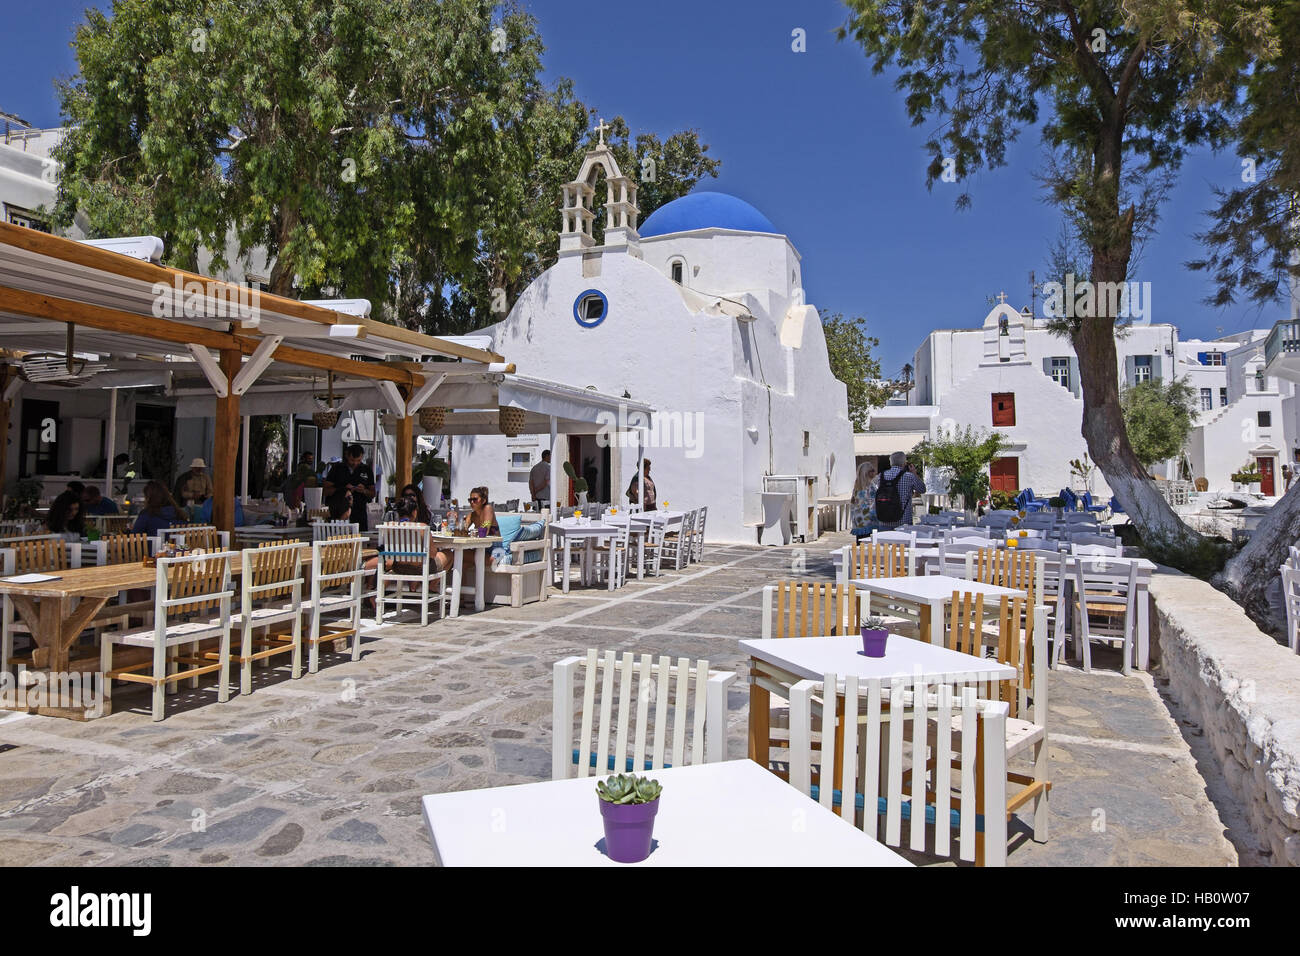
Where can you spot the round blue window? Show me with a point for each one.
(590, 308)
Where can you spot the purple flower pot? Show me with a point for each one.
(873, 641)
(629, 829)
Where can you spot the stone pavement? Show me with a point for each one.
(329, 770)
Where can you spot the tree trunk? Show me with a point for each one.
(1246, 576)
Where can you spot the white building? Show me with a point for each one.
(1014, 375)
(700, 314)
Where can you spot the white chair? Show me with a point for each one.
(337, 573)
(1096, 547)
(192, 601)
(697, 536)
(894, 537)
(882, 777)
(776, 514)
(1105, 605)
(203, 536)
(968, 532)
(684, 690)
(407, 543)
(1291, 597)
(610, 561)
(677, 546)
(38, 555)
(270, 589)
(656, 527)
(324, 530)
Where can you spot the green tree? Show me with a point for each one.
(402, 151)
(849, 349)
(964, 455)
(1158, 417)
(1121, 89)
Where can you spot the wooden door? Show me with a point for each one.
(1265, 475)
(1004, 475)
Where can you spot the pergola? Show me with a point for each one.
(118, 317)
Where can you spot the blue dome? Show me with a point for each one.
(704, 210)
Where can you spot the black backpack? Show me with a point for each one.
(889, 507)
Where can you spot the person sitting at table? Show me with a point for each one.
(204, 514)
(78, 488)
(160, 510)
(480, 516)
(195, 486)
(422, 513)
(94, 503)
(406, 514)
(65, 516)
(340, 507)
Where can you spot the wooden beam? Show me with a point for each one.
(225, 443)
(179, 333)
(405, 443)
(91, 257)
(7, 374)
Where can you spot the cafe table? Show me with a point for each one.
(458, 544)
(730, 813)
(638, 523)
(58, 606)
(776, 665)
(930, 594)
(586, 531)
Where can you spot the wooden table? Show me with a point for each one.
(776, 665)
(57, 611)
(732, 813)
(458, 545)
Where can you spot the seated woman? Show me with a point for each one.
(480, 516)
(412, 493)
(340, 506)
(406, 512)
(65, 515)
(160, 510)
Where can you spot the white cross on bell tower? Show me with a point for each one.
(601, 127)
(1002, 298)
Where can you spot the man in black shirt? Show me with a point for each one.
(354, 475)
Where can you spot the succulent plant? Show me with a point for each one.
(874, 622)
(628, 788)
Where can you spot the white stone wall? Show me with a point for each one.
(1240, 685)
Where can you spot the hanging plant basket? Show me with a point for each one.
(432, 418)
(510, 420)
(325, 419)
(328, 416)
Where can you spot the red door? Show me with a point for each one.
(1004, 475)
(1265, 475)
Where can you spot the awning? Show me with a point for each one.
(886, 443)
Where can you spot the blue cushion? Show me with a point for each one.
(531, 532)
(509, 525)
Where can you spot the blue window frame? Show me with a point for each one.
(590, 308)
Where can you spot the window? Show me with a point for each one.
(1141, 368)
(1207, 399)
(590, 308)
(520, 459)
(1004, 408)
(25, 218)
(1259, 379)
(1223, 396)
(1211, 358)
(1265, 419)
(1061, 372)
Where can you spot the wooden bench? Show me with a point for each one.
(528, 582)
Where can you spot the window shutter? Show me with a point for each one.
(1130, 367)
(1075, 387)
(1201, 357)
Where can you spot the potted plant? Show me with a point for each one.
(1247, 479)
(579, 485)
(874, 636)
(22, 503)
(628, 805)
(1056, 503)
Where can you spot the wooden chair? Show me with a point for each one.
(697, 534)
(864, 781)
(867, 559)
(1104, 604)
(337, 572)
(111, 524)
(809, 608)
(1025, 695)
(324, 530)
(194, 536)
(126, 549)
(317, 514)
(657, 528)
(611, 561)
(191, 603)
(407, 543)
(47, 554)
(270, 593)
(684, 691)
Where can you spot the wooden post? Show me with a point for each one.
(7, 374)
(405, 446)
(224, 448)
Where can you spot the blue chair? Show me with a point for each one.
(1115, 506)
(1026, 501)
(1070, 498)
(1089, 506)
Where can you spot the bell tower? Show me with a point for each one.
(620, 205)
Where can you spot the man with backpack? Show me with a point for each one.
(894, 491)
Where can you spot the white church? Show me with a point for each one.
(698, 313)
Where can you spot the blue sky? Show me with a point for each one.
(812, 139)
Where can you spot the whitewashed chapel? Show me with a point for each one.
(699, 313)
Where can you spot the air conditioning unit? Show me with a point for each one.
(53, 369)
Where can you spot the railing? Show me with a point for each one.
(1284, 337)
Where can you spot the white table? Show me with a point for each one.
(638, 525)
(458, 545)
(841, 507)
(585, 530)
(733, 813)
(777, 665)
(931, 593)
